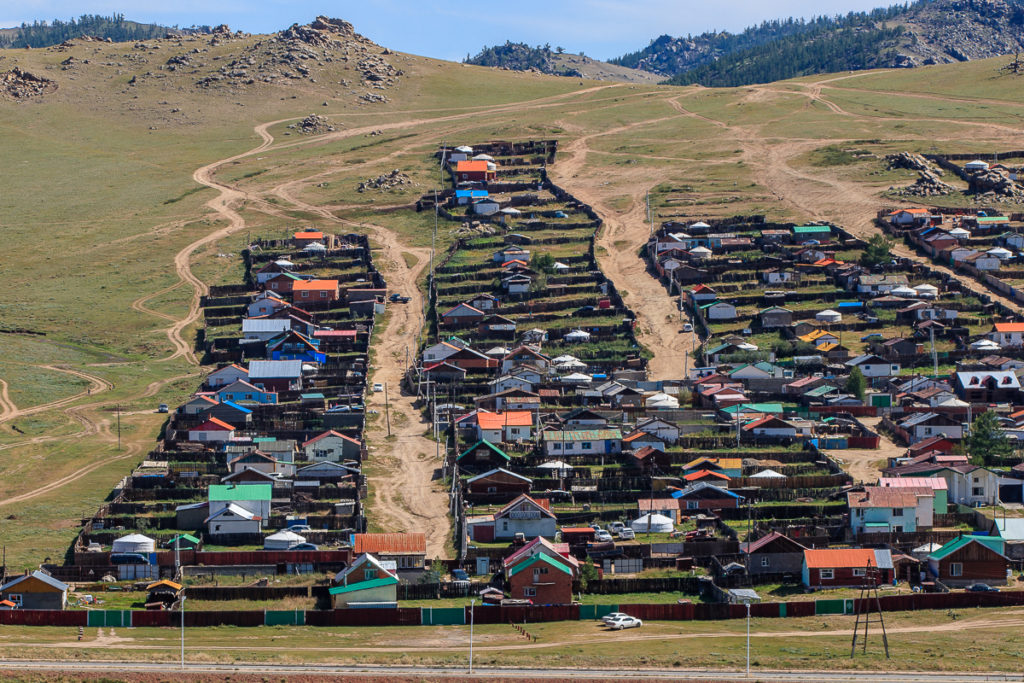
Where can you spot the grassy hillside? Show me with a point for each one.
(101, 196)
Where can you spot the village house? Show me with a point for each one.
(541, 579)
(483, 455)
(509, 425)
(664, 430)
(282, 283)
(880, 284)
(35, 590)
(242, 392)
(462, 315)
(332, 446)
(276, 375)
(212, 431)
(228, 374)
(718, 310)
(775, 316)
(309, 291)
(475, 170)
(523, 515)
(923, 425)
(879, 509)
(582, 442)
(988, 386)
(367, 582)
(970, 559)
(872, 366)
(253, 498)
(304, 238)
(835, 568)
(773, 553)
(649, 459)
(407, 550)
(731, 467)
(498, 484)
(1008, 334)
(706, 496)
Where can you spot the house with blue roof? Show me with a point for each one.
(243, 393)
(464, 197)
(294, 346)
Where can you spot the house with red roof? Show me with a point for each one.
(213, 430)
(475, 170)
(649, 459)
(304, 238)
(506, 425)
(408, 550)
(310, 291)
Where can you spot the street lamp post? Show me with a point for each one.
(183, 633)
(748, 638)
(471, 604)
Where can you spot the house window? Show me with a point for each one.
(529, 592)
(956, 569)
(492, 489)
(587, 446)
(897, 512)
(323, 295)
(978, 491)
(827, 574)
(504, 526)
(692, 504)
(15, 598)
(556, 446)
(859, 572)
(977, 480)
(765, 562)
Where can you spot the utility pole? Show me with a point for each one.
(183, 633)
(387, 411)
(935, 356)
(433, 242)
(472, 603)
(118, 406)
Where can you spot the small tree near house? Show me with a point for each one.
(878, 250)
(987, 442)
(856, 383)
(588, 573)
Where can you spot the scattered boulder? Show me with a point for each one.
(993, 184)
(22, 85)
(373, 98)
(388, 181)
(313, 124)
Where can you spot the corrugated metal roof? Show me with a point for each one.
(363, 585)
(583, 435)
(937, 483)
(390, 544)
(993, 543)
(540, 557)
(221, 493)
(272, 369)
(833, 558)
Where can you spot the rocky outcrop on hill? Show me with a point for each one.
(911, 161)
(21, 85)
(927, 185)
(994, 184)
(301, 52)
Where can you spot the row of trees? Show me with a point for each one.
(115, 27)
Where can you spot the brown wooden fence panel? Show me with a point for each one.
(800, 609)
(155, 618)
(39, 617)
(232, 618)
(765, 609)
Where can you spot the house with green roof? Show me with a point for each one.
(812, 230)
(367, 582)
(582, 442)
(772, 408)
(255, 498)
(541, 579)
(970, 559)
(718, 310)
(482, 456)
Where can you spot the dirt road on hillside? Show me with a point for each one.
(404, 470)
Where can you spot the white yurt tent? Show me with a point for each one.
(829, 316)
(960, 233)
(577, 336)
(768, 474)
(661, 400)
(700, 224)
(134, 543)
(904, 292)
(985, 345)
(1000, 253)
(701, 252)
(282, 540)
(656, 524)
(927, 291)
(557, 467)
(976, 165)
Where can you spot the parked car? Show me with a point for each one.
(602, 536)
(584, 310)
(982, 588)
(624, 622)
(560, 214)
(304, 546)
(300, 527)
(616, 527)
(378, 387)
(162, 408)
(612, 616)
(460, 575)
(399, 299)
(687, 327)
(627, 534)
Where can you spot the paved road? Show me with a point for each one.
(355, 671)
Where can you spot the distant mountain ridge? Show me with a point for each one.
(900, 36)
(557, 62)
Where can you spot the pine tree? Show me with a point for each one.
(856, 384)
(987, 442)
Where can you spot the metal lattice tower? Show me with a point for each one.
(868, 609)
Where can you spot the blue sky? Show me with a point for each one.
(449, 30)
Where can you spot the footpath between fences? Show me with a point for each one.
(488, 614)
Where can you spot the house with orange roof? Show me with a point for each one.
(506, 425)
(306, 237)
(308, 291)
(1008, 334)
(407, 550)
(909, 217)
(475, 170)
(838, 567)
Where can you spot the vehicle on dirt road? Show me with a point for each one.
(399, 299)
(624, 622)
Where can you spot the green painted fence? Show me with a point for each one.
(442, 616)
(596, 611)
(110, 617)
(296, 617)
(835, 606)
